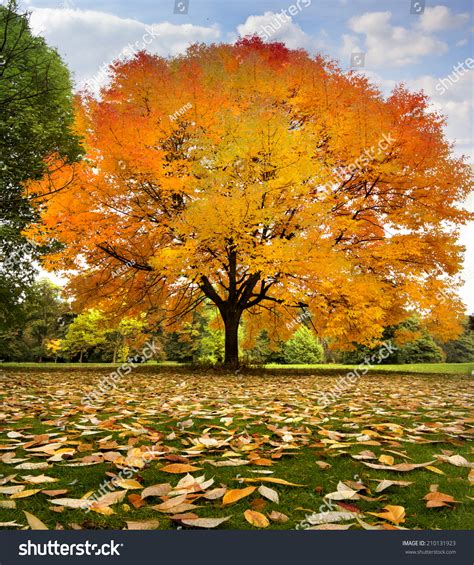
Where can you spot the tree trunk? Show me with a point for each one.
(231, 323)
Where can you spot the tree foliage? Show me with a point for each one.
(303, 348)
(36, 118)
(271, 192)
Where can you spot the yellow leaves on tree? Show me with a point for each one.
(266, 181)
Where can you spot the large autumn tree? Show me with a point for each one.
(266, 181)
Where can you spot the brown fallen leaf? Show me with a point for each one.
(278, 517)
(136, 500)
(437, 499)
(323, 464)
(386, 459)
(55, 492)
(256, 519)
(143, 525)
(234, 495)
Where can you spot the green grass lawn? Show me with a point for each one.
(428, 368)
(326, 368)
(270, 424)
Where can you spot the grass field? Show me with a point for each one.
(323, 369)
(228, 433)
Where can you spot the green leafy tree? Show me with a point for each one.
(85, 333)
(124, 337)
(261, 352)
(461, 350)
(36, 121)
(41, 316)
(412, 344)
(303, 347)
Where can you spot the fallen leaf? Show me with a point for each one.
(402, 467)
(436, 499)
(274, 480)
(328, 517)
(256, 519)
(269, 493)
(25, 493)
(156, 490)
(435, 470)
(278, 517)
(395, 514)
(143, 525)
(127, 484)
(178, 468)
(386, 484)
(205, 522)
(34, 522)
(234, 495)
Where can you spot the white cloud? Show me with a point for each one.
(88, 39)
(274, 26)
(438, 18)
(388, 45)
(453, 97)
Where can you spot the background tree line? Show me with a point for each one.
(46, 329)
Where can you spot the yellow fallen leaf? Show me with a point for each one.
(435, 470)
(25, 493)
(128, 483)
(234, 495)
(179, 468)
(274, 480)
(34, 522)
(256, 519)
(395, 514)
(105, 510)
(386, 459)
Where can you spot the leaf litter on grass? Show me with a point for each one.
(186, 429)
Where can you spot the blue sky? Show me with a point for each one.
(420, 49)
